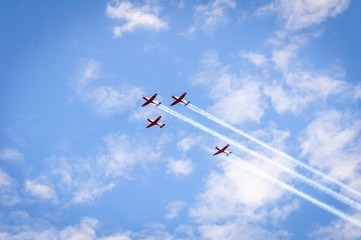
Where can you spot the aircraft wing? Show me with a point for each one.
(151, 125)
(221, 150)
(225, 147)
(175, 102)
(178, 99)
(153, 122)
(216, 153)
(152, 97)
(145, 104)
(157, 119)
(149, 100)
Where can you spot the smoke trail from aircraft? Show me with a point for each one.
(224, 138)
(300, 177)
(301, 194)
(281, 153)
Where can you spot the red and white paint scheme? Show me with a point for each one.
(151, 100)
(180, 99)
(222, 150)
(155, 122)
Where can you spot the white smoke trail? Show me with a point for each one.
(301, 194)
(309, 181)
(283, 154)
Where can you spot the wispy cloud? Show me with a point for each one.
(79, 180)
(210, 16)
(298, 15)
(10, 154)
(39, 190)
(122, 153)
(86, 229)
(180, 167)
(226, 195)
(332, 143)
(300, 85)
(91, 191)
(338, 230)
(135, 17)
(226, 88)
(185, 144)
(235, 228)
(8, 193)
(105, 99)
(255, 58)
(174, 208)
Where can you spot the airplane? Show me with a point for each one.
(155, 122)
(222, 150)
(151, 100)
(180, 99)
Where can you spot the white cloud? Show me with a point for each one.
(357, 93)
(315, 83)
(27, 227)
(338, 229)
(143, 17)
(284, 56)
(10, 154)
(173, 209)
(91, 191)
(284, 101)
(154, 231)
(232, 230)
(255, 58)
(242, 104)
(298, 15)
(5, 179)
(109, 100)
(238, 99)
(90, 72)
(39, 190)
(181, 4)
(86, 230)
(208, 17)
(105, 99)
(235, 202)
(123, 152)
(117, 236)
(188, 142)
(332, 143)
(235, 192)
(79, 180)
(180, 167)
(8, 192)
(299, 85)
(281, 213)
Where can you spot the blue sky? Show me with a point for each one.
(76, 161)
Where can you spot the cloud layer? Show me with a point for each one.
(142, 17)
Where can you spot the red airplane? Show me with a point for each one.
(155, 122)
(151, 100)
(180, 99)
(222, 150)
